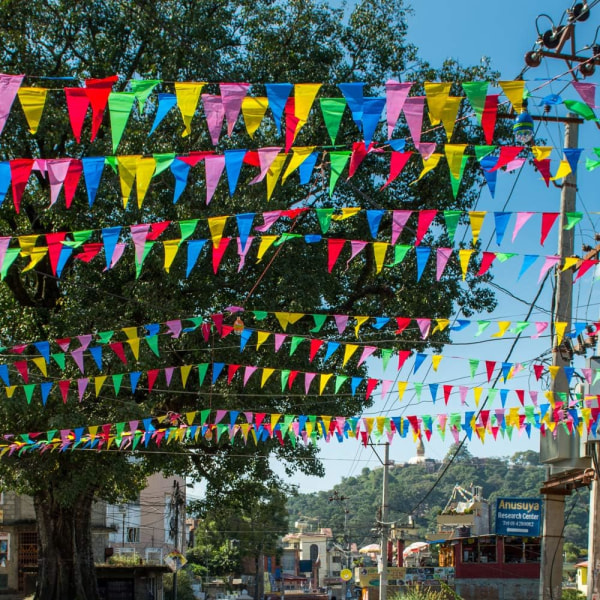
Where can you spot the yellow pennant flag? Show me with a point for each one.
(454, 156)
(134, 344)
(253, 110)
(185, 373)
(325, 377)
(33, 101)
(401, 389)
(347, 212)
(98, 383)
(267, 372)
(437, 95)
(514, 91)
(381, 423)
(429, 164)
(464, 257)
(369, 421)
(127, 172)
(502, 328)
(171, 247)
(40, 363)
(266, 241)
(560, 328)
(570, 261)
(449, 113)
(274, 172)
(477, 394)
(216, 226)
(10, 391)
(349, 350)
(441, 324)
(379, 250)
(541, 152)
(476, 217)
(261, 338)
(145, 171)
(285, 318)
(130, 332)
(299, 155)
(35, 256)
(564, 169)
(27, 243)
(304, 96)
(188, 94)
(436, 359)
(360, 321)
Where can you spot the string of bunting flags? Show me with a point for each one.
(308, 429)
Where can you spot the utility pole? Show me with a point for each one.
(383, 575)
(176, 500)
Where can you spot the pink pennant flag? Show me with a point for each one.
(169, 375)
(243, 251)
(248, 373)
(442, 257)
(424, 326)
(463, 390)
(233, 94)
(385, 387)
(215, 113)
(397, 163)
(587, 373)
(540, 327)
(522, 218)
(269, 218)
(399, 219)
(308, 379)
(367, 351)
(266, 156)
(334, 247)
(78, 358)
(587, 91)
(138, 236)
(85, 340)
(9, 86)
(514, 165)
(279, 339)
(396, 94)
(174, 328)
(548, 220)
(356, 246)
(57, 172)
(77, 105)
(214, 166)
(507, 154)
(341, 321)
(426, 149)
(426, 217)
(4, 243)
(81, 387)
(551, 261)
(117, 254)
(413, 111)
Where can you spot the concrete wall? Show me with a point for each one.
(497, 589)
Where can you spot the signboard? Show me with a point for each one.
(518, 516)
(305, 566)
(175, 560)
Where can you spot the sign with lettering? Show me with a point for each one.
(518, 516)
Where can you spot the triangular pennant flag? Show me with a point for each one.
(338, 159)
(333, 111)
(233, 94)
(253, 110)
(98, 91)
(188, 94)
(119, 107)
(396, 94)
(514, 91)
(9, 86)
(33, 100)
(165, 103)
(142, 88)
(277, 94)
(77, 105)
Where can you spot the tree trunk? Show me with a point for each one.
(66, 562)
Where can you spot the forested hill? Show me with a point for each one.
(417, 490)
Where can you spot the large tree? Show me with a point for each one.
(215, 41)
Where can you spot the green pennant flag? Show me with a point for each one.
(29, 391)
(259, 315)
(204, 414)
(596, 377)
(285, 236)
(119, 428)
(79, 238)
(119, 106)
(285, 376)
(481, 327)
(202, 368)
(492, 394)
(452, 217)
(581, 109)
(572, 219)
(285, 426)
(293, 440)
(338, 159)
(112, 162)
(418, 389)
(520, 327)
(117, 379)
(399, 254)
(152, 341)
(483, 151)
(137, 436)
(196, 322)
(473, 364)
(324, 217)
(59, 359)
(163, 162)
(590, 164)
(455, 181)
(319, 322)
(105, 336)
(504, 256)
(386, 354)
(221, 429)
(138, 265)
(339, 381)
(476, 92)
(141, 89)
(9, 259)
(187, 228)
(295, 342)
(333, 110)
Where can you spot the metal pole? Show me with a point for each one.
(383, 576)
(554, 513)
(176, 531)
(123, 530)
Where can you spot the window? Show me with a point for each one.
(336, 558)
(470, 552)
(133, 535)
(532, 550)
(3, 581)
(513, 550)
(487, 550)
(314, 552)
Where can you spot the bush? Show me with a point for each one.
(184, 586)
(420, 592)
(572, 594)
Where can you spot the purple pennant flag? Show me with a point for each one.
(9, 86)
(306, 168)
(372, 109)
(4, 179)
(180, 170)
(193, 251)
(110, 235)
(138, 235)
(234, 160)
(501, 220)
(413, 111)
(399, 219)
(374, 219)
(78, 358)
(214, 166)
(81, 387)
(165, 103)
(587, 91)
(92, 172)
(277, 95)
(396, 94)
(233, 94)
(268, 219)
(353, 93)
(215, 113)
(423, 253)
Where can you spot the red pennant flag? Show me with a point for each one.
(194, 157)
(227, 329)
(156, 229)
(358, 155)
(489, 367)
(447, 392)
(334, 247)
(521, 396)
(485, 417)
(426, 217)
(543, 166)
(20, 169)
(291, 122)
(98, 90)
(90, 251)
(314, 348)
(64, 343)
(21, 366)
(293, 375)
(488, 118)
(217, 319)
(586, 265)
(54, 248)
(251, 158)
(548, 220)
(403, 323)
(486, 262)
(397, 163)
(72, 180)
(371, 385)
(414, 422)
(64, 389)
(231, 371)
(77, 105)
(402, 356)
(507, 154)
(117, 348)
(152, 375)
(217, 256)
(538, 370)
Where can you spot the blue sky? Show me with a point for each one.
(468, 30)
